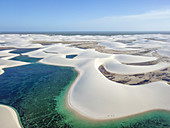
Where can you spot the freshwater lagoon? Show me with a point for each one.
(38, 93)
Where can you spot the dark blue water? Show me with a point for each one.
(32, 90)
(37, 91)
(105, 33)
(70, 56)
(23, 50)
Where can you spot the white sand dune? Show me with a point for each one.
(123, 58)
(96, 97)
(37, 53)
(117, 46)
(164, 52)
(1, 71)
(116, 67)
(9, 63)
(5, 53)
(62, 49)
(92, 95)
(8, 117)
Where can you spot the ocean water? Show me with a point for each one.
(38, 93)
(105, 33)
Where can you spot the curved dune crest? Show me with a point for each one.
(117, 67)
(137, 79)
(8, 117)
(95, 97)
(92, 94)
(133, 59)
(98, 98)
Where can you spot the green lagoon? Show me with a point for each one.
(38, 91)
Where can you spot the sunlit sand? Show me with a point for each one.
(92, 95)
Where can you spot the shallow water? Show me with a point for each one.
(152, 119)
(25, 58)
(32, 90)
(38, 91)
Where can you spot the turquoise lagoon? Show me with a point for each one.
(25, 58)
(23, 50)
(38, 91)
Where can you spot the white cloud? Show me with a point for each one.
(163, 14)
(153, 20)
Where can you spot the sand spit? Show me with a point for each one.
(6, 53)
(1, 71)
(9, 63)
(8, 117)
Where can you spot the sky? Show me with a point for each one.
(84, 15)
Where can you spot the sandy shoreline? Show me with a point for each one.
(79, 115)
(92, 96)
(9, 117)
(124, 116)
(92, 87)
